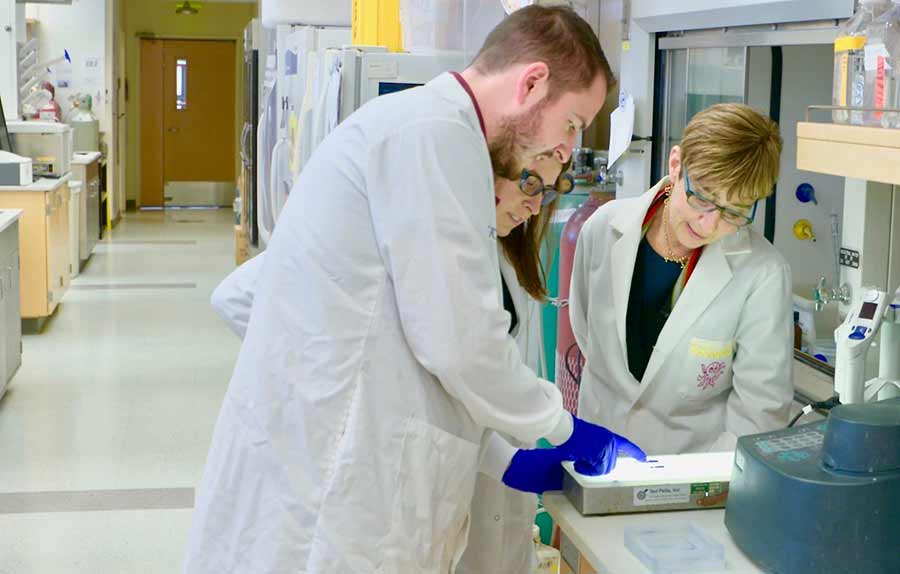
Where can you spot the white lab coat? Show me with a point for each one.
(500, 540)
(722, 366)
(375, 357)
(500, 537)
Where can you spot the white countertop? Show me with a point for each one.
(8, 216)
(86, 158)
(601, 539)
(43, 184)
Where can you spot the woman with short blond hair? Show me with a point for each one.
(683, 310)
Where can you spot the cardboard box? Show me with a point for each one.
(584, 567)
(241, 246)
(573, 562)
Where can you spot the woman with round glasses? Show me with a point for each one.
(682, 310)
(500, 537)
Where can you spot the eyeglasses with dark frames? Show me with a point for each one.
(706, 205)
(531, 184)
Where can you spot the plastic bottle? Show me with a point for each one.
(547, 558)
(849, 61)
(881, 53)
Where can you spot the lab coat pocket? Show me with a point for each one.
(435, 483)
(708, 369)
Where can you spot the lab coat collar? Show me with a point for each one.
(465, 85)
(627, 226)
(455, 91)
(711, 276)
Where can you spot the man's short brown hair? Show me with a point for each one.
(554, 35)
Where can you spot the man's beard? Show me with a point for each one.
(514, 141)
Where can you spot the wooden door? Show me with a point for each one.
(199, 110)
(151, 128)
(187, 114)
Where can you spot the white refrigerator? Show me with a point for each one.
(283, 102)
(320, 81)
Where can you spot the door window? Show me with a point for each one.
(181, 84)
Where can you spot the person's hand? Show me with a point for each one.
(595, 449)
(535, 470)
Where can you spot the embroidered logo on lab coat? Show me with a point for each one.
(710, 374)
(492, 232)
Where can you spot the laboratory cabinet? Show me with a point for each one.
(10, 315)
(86, 168)
(44, 243)
(868, 153)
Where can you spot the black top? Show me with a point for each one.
(648, 305)
(509, 305)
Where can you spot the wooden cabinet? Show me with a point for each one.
(44, 243)
(10, 316)
(859, 152)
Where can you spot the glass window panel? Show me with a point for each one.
(697, 78)
(181, 84)
(715, 76)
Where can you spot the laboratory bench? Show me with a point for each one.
(44, 244)
(810, 385)
(596, 544)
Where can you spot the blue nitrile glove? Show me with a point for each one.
(535, 470)
(595, 449)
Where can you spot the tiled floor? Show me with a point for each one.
(114, 405)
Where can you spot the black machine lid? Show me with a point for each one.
(863, 438)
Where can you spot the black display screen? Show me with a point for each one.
(868, 310)
(393, 87)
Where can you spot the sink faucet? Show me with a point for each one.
(823, 295)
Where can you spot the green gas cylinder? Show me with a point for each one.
(568, 204)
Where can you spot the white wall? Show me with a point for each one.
(8, 59)
(806, 81)
(632, 51)
(80, 28)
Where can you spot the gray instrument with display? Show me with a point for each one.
(823, 497)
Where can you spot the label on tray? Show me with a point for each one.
(654, 495)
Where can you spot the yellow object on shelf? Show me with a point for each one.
(803, 230)
(377, 23)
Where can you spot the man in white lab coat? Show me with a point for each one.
(682, 310)
(500, 540)
(377, 353)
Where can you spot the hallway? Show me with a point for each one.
(105, 428)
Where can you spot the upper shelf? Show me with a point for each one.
(859, 152)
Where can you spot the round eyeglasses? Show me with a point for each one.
(532, 185)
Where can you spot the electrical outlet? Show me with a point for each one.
(849, 258)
